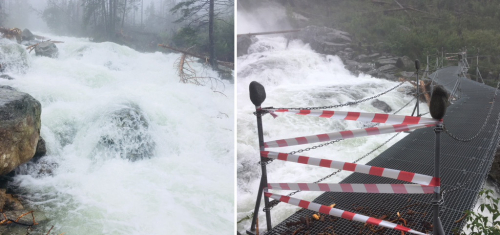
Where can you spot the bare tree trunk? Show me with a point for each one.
(213, 62)
(124, 12)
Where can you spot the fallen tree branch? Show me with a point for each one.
(206, 58)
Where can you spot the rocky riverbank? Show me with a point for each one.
(357, 58)
(20, 140)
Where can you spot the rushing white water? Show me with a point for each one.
(86, 187)
(299, 77)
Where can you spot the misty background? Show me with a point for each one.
(139, 24)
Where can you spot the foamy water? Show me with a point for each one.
(185, 187)
(299, 77)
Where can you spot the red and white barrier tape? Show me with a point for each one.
(365, 169)
(343, 135)
(355, 188)
(340, 213)
(359, 116)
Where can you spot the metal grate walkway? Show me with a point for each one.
(460, 163)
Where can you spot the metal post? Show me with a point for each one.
(417, 66)
(437, 226)
(257, 96)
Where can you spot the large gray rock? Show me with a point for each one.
(387, 68)
(244, 43)
(405, 63)
(48, 49)
(126, 134)
(5, 76)
(381, 105)
(383, 62)
(325, 40)
(19, 128)
(13, 57)
(27, 35)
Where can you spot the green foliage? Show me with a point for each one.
(478, 223)
(425, 27)
(187, 37)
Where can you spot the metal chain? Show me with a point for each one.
(480, 129)
(265, 163)
(276, 202)
(346, 104)
(490, 146)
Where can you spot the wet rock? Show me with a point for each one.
(244, 43)
(351, 65)
(41, 149)
(325, 40)
(388, 76)
(361, 57)
(384, 62)
(27, 35)
(405, 63)
(126, 134)
(5, 76)
(19, 128)
(48, 49)
(494, 174)
(13, 57)
(365, 67)
(381, 105)
(387, 68)
(12, 203)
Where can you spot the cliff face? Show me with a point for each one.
(19, 128)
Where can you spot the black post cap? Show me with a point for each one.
(417, 64)
(257, 93)
(439, 99)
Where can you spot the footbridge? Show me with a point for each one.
(379, 197)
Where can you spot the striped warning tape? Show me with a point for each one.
(365, 169)
(355, 188)
(340, 213)
(343, 135)
(359, 116)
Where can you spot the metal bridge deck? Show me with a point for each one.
(415, 153)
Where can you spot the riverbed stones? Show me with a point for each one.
(19, 128)
(47, 48)
(244, 43)
(27, 35)
(325, 40)
(7, 77)
(381, 105)
(126, 134)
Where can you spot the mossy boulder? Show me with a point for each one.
(19, 128)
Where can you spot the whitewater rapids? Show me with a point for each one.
(185, 187)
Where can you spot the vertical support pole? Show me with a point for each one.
(417, 66)
(437, 226)
(442, 57)
(257, 96)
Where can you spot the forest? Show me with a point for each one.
(415, 28)
(202, 27)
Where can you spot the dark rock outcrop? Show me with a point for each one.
(325, 40)
(494, 174)
(27, 35)
(244, 43)
(126, 133)
(41, 149)
(381, 105)
(48, 49)
(19, 128)
(5, 76)
(405, 63)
